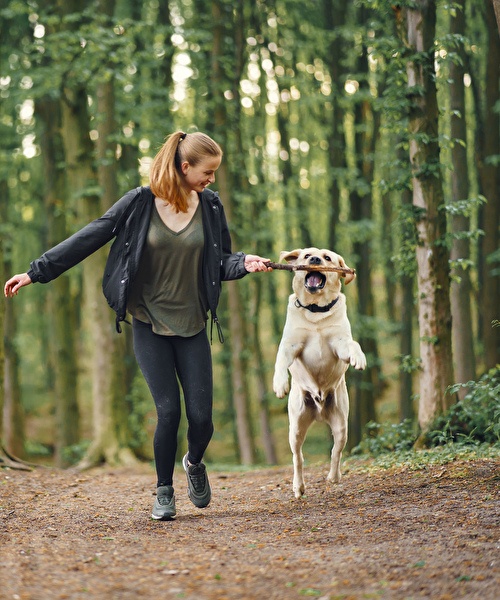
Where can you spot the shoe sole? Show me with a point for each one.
(164, 518)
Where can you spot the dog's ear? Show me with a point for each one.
(348, 277)
(291, 256)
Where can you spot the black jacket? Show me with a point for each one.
(128, 221)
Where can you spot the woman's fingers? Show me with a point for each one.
(14, 284)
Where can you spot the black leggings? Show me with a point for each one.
(162, 359)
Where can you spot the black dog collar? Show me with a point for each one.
(315, 307)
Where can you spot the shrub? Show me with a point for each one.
(379, 439)
(475, 419)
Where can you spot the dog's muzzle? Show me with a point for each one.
(315, 281)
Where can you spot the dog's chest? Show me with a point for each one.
(317, 351)
(319, 361)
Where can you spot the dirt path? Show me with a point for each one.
(390, 534)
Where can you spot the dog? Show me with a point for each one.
(317, 348)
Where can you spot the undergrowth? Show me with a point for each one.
(469, 429)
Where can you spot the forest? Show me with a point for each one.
(367, 127)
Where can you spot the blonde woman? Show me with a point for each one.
(171, 253)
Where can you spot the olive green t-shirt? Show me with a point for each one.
(168, 290)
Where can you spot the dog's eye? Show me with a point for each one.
(328, 258)
(307, 256)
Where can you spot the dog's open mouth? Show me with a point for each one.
(315, 281)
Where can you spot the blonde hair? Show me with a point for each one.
(165, 175)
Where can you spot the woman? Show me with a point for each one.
(171, 252)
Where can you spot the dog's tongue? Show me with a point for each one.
(314, 280)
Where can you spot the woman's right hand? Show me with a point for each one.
(15, 283)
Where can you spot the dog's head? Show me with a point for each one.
(318, 283)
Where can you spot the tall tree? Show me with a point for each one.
(13, 413)
(12, 421)
(222, 17)
(407, 284)
(335, 58)
(6, 457)
(366, 124)
(432, 254)
(111, 441)
(488, 150)
(461, 288)
(62, 318)
(242, 10)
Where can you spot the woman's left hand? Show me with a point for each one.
(254, 263)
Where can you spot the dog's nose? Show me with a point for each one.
(315, 260)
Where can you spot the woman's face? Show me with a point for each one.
(198, 177)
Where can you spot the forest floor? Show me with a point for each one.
(398, 533)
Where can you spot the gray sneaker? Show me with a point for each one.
(164, 506)
(199, 491)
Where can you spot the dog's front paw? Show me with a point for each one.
(281, 385)
(358, 360)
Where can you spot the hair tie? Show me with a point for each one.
(182, 136)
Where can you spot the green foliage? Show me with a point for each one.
(466, 207)
(474, 420)
(34, 448)
(415, 460)
(73, 454)
(494, 261)
(409, 364)
(139, 401)
(379, 439)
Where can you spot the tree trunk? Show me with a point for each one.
(489, 173)
(432, 254)
(6, 459)
(292, 240)
(110, 411)
(253, 345)
(461, 288)
(367, 384)
(237, 326)
(82, 178)
(387, 254)
(11, 410)
(406, 283)
(496, 5)
(262, 389)
(61, 310)
(335, 15)
(81, 175)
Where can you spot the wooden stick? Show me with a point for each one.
(281, 267)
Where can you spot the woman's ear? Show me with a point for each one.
(185, 167)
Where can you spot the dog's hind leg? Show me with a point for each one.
(338, 424)
(300, 420)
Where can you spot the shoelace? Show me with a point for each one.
(164, 500)
(197, 476)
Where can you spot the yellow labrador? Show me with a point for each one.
(317, 348)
